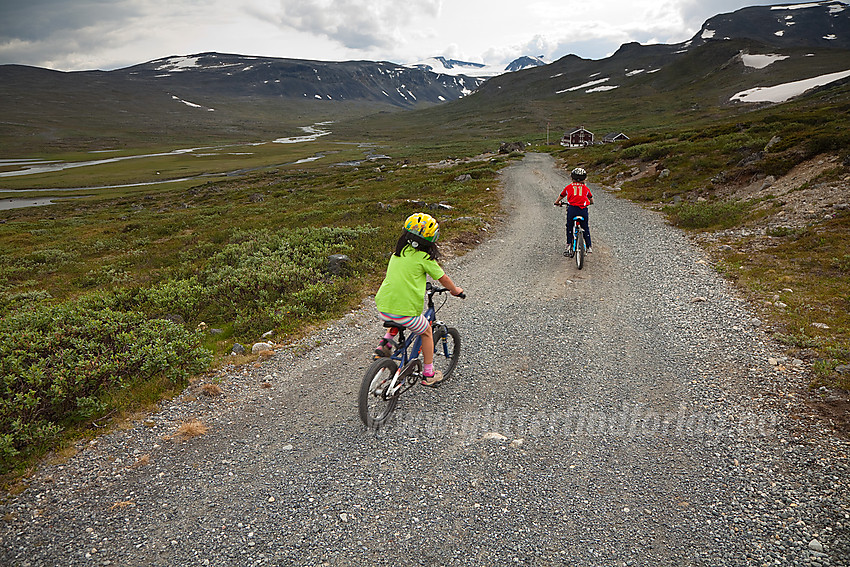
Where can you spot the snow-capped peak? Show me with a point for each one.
(525, 62)
(479, 70)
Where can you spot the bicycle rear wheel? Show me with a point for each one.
(446, 350)
(580, 248)
(373, 402)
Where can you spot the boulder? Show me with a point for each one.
(261, 347)
(337, 263)
(174, 318)
(509, 147)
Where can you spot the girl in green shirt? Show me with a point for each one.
(401, 296)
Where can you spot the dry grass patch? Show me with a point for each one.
(144, 460)
(211, 390)
(189, 429)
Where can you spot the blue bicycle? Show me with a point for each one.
(387, 378)
(579, 247)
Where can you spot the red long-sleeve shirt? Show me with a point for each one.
(577, 194)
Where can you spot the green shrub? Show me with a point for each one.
(648, 152)
(22, 299)
(185, 297)
(707, 215)
(798, 340)
(783, 231)
(260, 267)
(842, 264)
(59, 362)
(49, 256)
(105, 275)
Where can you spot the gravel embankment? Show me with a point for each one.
(640, 421)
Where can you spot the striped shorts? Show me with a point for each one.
(417, 325)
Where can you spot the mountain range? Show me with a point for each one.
(208, 91)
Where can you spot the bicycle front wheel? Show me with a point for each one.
(374, 402)
(446, 350)
(580, 249)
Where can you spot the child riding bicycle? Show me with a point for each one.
(578, 198)
(402, 294)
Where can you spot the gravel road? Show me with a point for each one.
(631, 413)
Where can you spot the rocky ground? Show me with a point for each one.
(632, 413)
(810, 193)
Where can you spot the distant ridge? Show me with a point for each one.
(230, 74)
(802, 24)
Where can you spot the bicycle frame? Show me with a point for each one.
(409, 347)
(577, 231)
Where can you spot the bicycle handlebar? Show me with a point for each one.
(435, 289)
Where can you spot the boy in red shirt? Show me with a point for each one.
(578, 198)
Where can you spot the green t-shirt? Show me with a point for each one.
(403, 290)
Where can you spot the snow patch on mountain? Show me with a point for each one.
(786, 91)
(177, 64)
(585, 86)
(798, 6)
(755, 61)
(192, 104)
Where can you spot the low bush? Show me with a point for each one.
(723, 214)
(63, 363)
(648, 152)
(59, 361)
(258, 269)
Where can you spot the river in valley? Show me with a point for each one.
(19, 167)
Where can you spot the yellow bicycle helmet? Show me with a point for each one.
(423, 225)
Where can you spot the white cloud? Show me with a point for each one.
(106, 34)
(357, 24)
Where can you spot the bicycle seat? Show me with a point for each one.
(391, 325)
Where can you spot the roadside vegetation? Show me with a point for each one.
(102, 299)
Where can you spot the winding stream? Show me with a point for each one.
(36, 166)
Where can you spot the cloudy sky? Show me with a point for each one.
(71, 35)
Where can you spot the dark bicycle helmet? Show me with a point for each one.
(578, 174)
